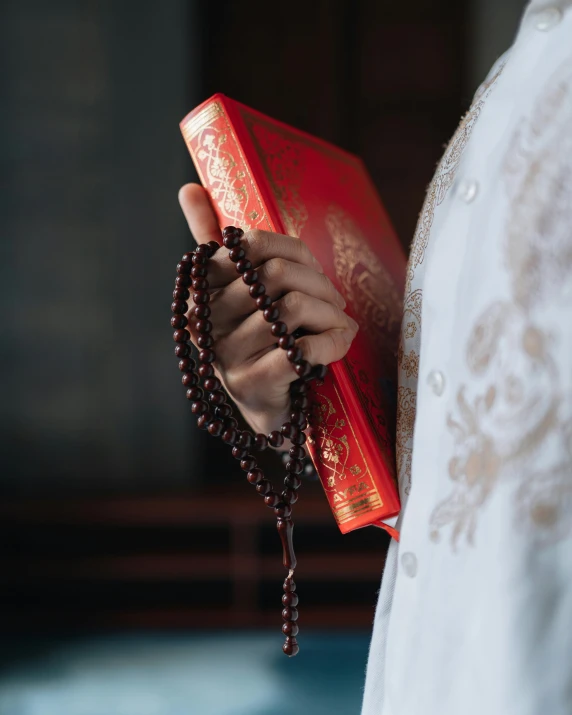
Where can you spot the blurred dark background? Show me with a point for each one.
(116, 513)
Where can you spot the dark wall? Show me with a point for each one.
(384, 80)
(92, 161)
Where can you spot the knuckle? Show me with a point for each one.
(334, 343)
(292, 301)
(329, 286)
(256, 240)
(275, 268)
(236, 385)
(300, 248)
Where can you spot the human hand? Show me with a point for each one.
(256, 374)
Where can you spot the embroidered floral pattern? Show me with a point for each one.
(519, 420)
(410, 340)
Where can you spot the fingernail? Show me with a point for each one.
(348, 336)
(341, 301)
(353, 322)
(318, 265)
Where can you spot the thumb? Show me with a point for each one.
(199, 213)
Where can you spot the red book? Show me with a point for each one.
(263, 174)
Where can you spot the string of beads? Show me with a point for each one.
(209, 404)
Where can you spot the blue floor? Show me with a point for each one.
(231, 674)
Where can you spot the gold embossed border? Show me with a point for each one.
(223, 169)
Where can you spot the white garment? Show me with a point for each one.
(475, 609)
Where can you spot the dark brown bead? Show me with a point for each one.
(232, 231)
(286, 342)
(214, 246)
(301, 403)
(179, 307)
(261, 442)
(187, 364)
(200, 284)
(271, 314)
(282, 510)
(236, 254)
(202, 311)
(271, 500)
(289, 496)
(205, 341)
(250, 276)
(198, 271)
(206, 370)
(189, 379)
(223, 410)
(198, 260)
(188, 256)
(217, 397)
(255, 476)
(181, 294)
(246, 439)
(289, 584)
(202, 250)
(231, 239)
(248, 463)
(243, 265)
(292, 482)
(299, 387)
(206, 355)
(203, 420)
(239, 452)
(179, 321)
(290, 628)
(278, 329)
(199, 408)
(302, 368)
(256, 290)
(275, 439)
(288, 429)
(182, 350)
(290, 599)
(297, 452)
(298, 418)
(294, 466)
(182, 281)
(181, 336)
(264, 487)
(263, 302)
(294, 354)
(229, 421)
(319, 372)
(212, 383)
(204, 326)
(194, 393)
(290, 614)
(299, 438)
(291, 647)
(201, 296)
(184, 267)
(230, 435)
(216, 428)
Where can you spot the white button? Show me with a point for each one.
(548, 18)
(467, 190)
(436, 381)
(409, 564)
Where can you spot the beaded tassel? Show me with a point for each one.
(213, 412)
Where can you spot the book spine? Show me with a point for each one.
(223, 162)
(339, 440)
